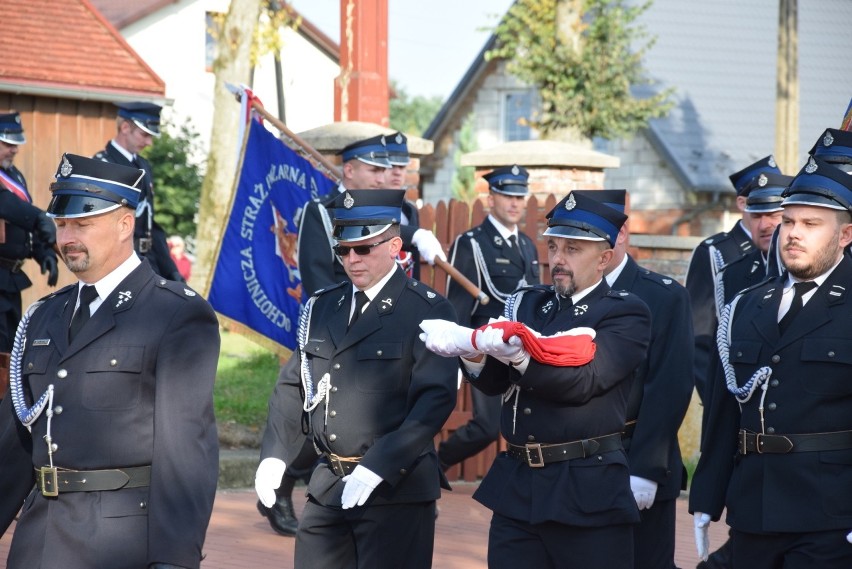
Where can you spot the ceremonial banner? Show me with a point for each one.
(255, 278)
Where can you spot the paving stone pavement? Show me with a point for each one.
(239, 538)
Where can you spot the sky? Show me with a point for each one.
(430, 44)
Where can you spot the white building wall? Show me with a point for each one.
(172, 41)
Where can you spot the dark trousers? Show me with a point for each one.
(513, 544)
(476, 434)
(824, 549)
(654, 536)
(367, 537)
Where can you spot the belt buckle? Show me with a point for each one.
(48, 481)
(336, 464)
(743, 442)
(537, 455)
(757, 443)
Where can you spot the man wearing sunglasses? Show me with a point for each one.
(137, 124)
(375, 398)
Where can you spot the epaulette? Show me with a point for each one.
(732, 250)
(63, 290)
(330, 288)
(657, 278)
(178, 288)
(619, 294)
(474, 231)
(542, 288)
(426, 292)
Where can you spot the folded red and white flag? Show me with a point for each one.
(574, 347)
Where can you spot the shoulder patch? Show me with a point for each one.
(329, 288)
(426, 292)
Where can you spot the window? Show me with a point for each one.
(517, 110)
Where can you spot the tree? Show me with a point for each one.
(178, 180)
(585, 57)
(232, 64)
(412, 115)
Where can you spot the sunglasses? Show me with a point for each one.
(360, 250)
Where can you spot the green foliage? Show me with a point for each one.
(412, 115)
(583, 56)
(463, 177)
(177, 179)
(244, 380)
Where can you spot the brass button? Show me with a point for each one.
(30, 365)
(379, 353)
(771, 406)
(776, 358)
(403, 471)
(57, 410)
(54, 447)
(332, 437)
(739, 354)
(527, 411)
(774, 383)
(770, 430)
(335, 366)
(332, 413)
(113, 362)
(334, 389)
(530, 438)
(62, 374)
(143, 505)
(831, 354)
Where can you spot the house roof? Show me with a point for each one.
(122, 13)
(66, 48)
(720, 56)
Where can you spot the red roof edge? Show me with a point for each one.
(118, 37)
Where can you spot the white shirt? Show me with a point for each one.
(106, 285)
(124, 152)
(790, 292)
(616, 272)
(504, 231)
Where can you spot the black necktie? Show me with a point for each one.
(360, 300)
(87, 294)
(513, 239)
(565, 302)
(801, 289)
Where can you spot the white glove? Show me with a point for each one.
(849, 537)
(702, 535)
(447, 338)
(267, 479)
(359, 485)
(490, 342)
(644, 491)
(428, 245)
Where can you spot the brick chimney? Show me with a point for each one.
(361, 89)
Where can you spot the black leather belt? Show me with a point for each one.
(341, 465)
(537, 455)
(758, 443)
(13, 265)
(53, 481)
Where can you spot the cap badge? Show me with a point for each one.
(571, 203)
(772, 162)
(398, 138)
(498, 240)
(827, 140)
(66, 168)
(515, 170)
(348, 201)
(762, 180)
(811, 167)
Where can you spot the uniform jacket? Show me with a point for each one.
(734, 245)
(390, 396)
(809, 392)
(505, 267)
(663, 386)
(563, 404)
(20, 242)
(159, 257)
(135, 387)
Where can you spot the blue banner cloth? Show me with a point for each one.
(256, 279)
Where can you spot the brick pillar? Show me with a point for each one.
(361, 89)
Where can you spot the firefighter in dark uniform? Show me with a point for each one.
(560, 494)
(374, 397)
(779, 440)
(27, 232)
(710, 257)
(136, 125)
(110, 413)
(498, 258)
(658, 400)
(399, 158)
(366, 165)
